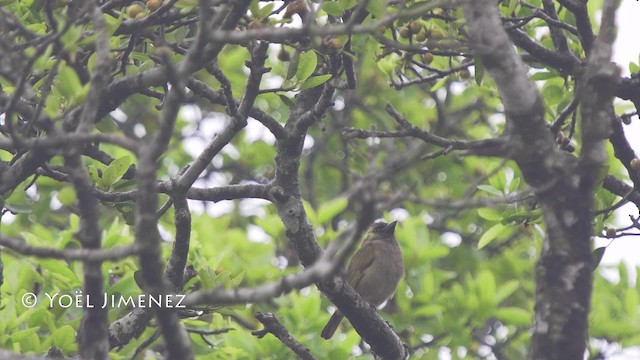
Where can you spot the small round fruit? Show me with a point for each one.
(464, 74)
(134, 10)
(141, 15)
(153, 5)
(427, 58)
(421, 36)
(405, 33)
(635, 164)
(437, 34)
(415, 26)
(609, 232)
(626, 119)
(334, 43)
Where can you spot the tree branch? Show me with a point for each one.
(273, 326)
(93, 255)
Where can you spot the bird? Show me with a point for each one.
(374, 270)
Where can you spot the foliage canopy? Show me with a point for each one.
(211, 148)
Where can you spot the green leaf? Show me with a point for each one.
(116, 170)
(67, 196)
(52, 105)
(544, 75)
(487, 286)
(20, 335)
(271, 224)
(522, 216)
(330, 209)
(479, 70)
(513, 185)
(308, 63)
(601, 173)
(64, 338)
(68, 83)
(315, 81)
(597, 255)
(552, 93)
(293, 65)
(333, 8)
(437, 252)
(631, 301)
(490, 214)
(60, 270)
(71, 38)
(106, 125)
(490, 189)
(347, 4)
(285, 100)
(112, 23)
(311, 214)
(93, 174)
(442, 82)
(127, 210)
(264, 11)
(506, 290)
(254, 7)
(376, 7)
(624, 273)
(514, 316)
(430, 311)
(490, 235)
(19, 208)
(45, 61)
(237, 280)
(207, 278)
(428, 286)
(126, 285)
(388, 64)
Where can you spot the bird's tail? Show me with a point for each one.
(332, 325)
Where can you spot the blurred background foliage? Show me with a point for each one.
(468, 290)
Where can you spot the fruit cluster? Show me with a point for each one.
(421, 33)
(138, 10)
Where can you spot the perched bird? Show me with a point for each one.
(374, 271)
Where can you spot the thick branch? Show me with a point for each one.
(491, 147)
(113, 254)
(565, 193)
(286, 196)
(93, 339)
(583, 22)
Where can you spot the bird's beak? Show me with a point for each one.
(390, 228)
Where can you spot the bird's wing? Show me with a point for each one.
(361, 260)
